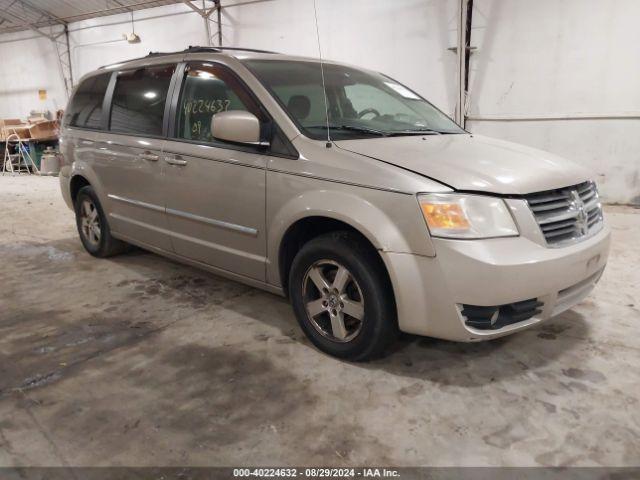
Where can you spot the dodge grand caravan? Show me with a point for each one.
(360, 201)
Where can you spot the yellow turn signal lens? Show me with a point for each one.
(460, 215)
(446, 216)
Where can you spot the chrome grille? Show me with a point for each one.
(567, 215)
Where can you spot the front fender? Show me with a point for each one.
(391, 221)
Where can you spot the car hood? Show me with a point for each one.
(473, 162)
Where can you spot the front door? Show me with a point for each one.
(215, 192)
(128, 160)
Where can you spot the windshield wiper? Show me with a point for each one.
(417, 131)
(353, 128)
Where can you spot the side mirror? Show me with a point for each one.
(237, 126)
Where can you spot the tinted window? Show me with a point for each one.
(85, 108)
(209, 89)
(139, 99)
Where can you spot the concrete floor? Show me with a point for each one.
(138, 360)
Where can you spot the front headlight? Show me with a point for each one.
(454, 215)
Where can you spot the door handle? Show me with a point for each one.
(152, 157)
(175, 160)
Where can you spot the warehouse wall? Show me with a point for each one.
(406, 39)
(28, 63)
(390, 36)
(99, 41)
(575, 57)
(534, 59)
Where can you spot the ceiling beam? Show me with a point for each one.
(12, 25)
(120, 5)
(21, 23)
(40, 10)
(18, 22)
(112, 10)
(203, 12)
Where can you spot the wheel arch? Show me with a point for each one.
(307, 228)
(77, 182)
(81, 175)
(374, 216)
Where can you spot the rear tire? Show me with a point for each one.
(342, 297)
(93, 227)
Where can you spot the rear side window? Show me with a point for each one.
(139, 99)
(85, 108)
(209, 89)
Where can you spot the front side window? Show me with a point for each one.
(139, 100)
(85, 108)
(209, 89)
(360, 104)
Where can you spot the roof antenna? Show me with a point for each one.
(324, 88)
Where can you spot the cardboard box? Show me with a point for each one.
(45, 130)
(8, 125)
(37, 118)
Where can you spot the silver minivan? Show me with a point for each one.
(336, 186)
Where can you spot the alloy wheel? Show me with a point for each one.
(90, 222)
(333, 300)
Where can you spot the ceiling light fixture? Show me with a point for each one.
(132, 37)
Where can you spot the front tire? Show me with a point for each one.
(342, 297)
(93, 227)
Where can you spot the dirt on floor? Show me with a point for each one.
(137, 360)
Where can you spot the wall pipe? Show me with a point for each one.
(554, 117)
(462, 62)
(207, 29)
(219, 12)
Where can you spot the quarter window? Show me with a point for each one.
(209, 89)
(139, 100)
(85, 109)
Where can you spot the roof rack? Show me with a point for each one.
(197, 49)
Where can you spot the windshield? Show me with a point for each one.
(361, 104)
